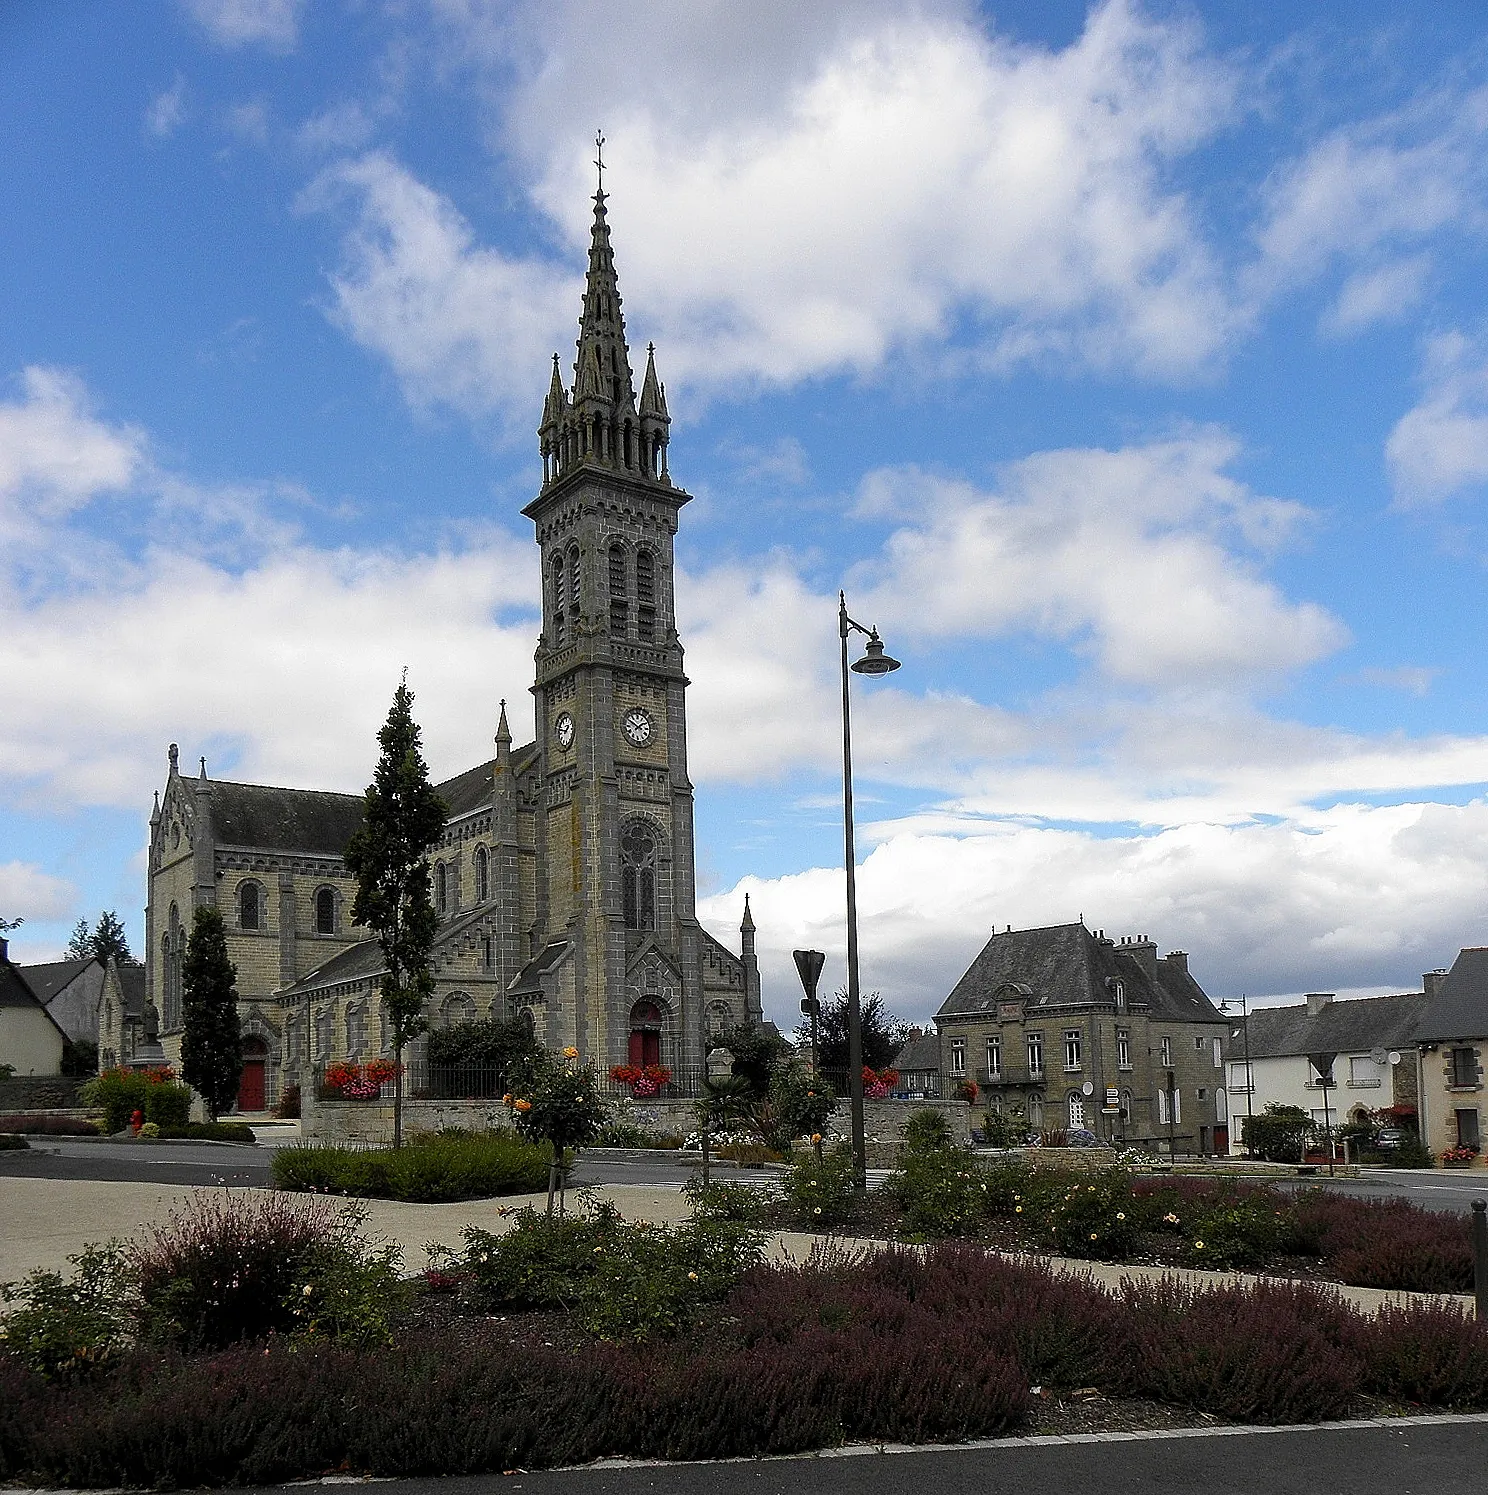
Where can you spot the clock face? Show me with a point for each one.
(636, 725)
(563, 730)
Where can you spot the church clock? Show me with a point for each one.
(638, 728)
(563, 730)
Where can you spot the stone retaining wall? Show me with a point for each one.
(38, 1093)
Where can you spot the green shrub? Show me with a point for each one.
(820, 1192)
(718, 1200)
(926, 1131)
(240, 1265)
(1280, 1134)
(168, 1105)
(429, 1169)
(1004, 1126)
(801, 1102)
(1094, 1219)
(617, 1133)
(943, 1193)
(1237, 1232)
(122, 1092)
(209, 1131)
(67, 1329)
(541, 1262)
(749, 1154)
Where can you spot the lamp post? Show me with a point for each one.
(873, 662)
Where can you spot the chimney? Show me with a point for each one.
(1179, 959)
(1317, 1000)
(1143, 951)
(1431, 983)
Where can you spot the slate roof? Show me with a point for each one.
(1065, 965)
(1352, 1027)
(15, 991)
(1460, 1007)
(270, 819)
(47, 979)
(919, 1054)
(355, 963)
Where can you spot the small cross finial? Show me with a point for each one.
(599, 144)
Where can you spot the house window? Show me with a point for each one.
(638, 876)
(1217, 1052)
(1123, 1048)
(1363, 1071)
(482, 875)
(1467, 1128)
(1121, 996)
(1167, 1053)
(1199, 1045)
(958, 1056)
(441, 888)
(1036, 1055)
(994, 1056)
(250, 906)
(1464, 1067)
(1076, 1103)
(1072, 1048)
(1036, 1112)
(1126, 1107)
(1201, 1093)
(325, 911)
(1238, 1079)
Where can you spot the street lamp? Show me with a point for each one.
(873, 662)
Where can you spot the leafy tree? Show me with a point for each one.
(559, 1104)
(1280, 1134)
(883, 1034)
(107, 939)
(757, 1051)
(79, 1058)
(389, 857)
(6, 925)
(211, 1039)
(802, 1101)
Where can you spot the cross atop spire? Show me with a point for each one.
(599, 144)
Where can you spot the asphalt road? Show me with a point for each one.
(1425, 1457)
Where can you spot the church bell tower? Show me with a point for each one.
(615, 935)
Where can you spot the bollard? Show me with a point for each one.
(1480, 1256)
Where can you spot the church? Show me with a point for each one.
(564, 878)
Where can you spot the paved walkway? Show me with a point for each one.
(44, 1221)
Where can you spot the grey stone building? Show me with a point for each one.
(564, 879)
(1082, 1031)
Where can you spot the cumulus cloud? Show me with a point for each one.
(274, 24)
(167, 110)
(26, 892)
(1136, 556)
(897, 182)
(1440, 446)
(1352, 897)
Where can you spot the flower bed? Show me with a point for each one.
(644, 1080)
(346, 1081)
(898, 1347)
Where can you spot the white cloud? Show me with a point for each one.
(26, 892)
(1415, 679)
(461, 325)
(1385, 294)
(897, 181)
(1357, 896)
(1440, 447)
(1135, 556)
(273, 24)
(167, 110)
(54, 454)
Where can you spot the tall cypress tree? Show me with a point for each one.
(211, 1041)
(389, 857)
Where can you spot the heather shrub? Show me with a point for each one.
(209, 1131)
(942, 1192)
(819, 1191)
(67, 1329)
(1268, 1352)
(1386, 1243)
(1432, 1353)
(241, 1265)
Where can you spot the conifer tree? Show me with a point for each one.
(211, 1041)
(389, 857)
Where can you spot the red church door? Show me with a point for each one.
(251, 1087)
(645, 1034)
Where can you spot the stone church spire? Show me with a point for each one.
(597, 424)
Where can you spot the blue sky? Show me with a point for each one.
(1127, 364)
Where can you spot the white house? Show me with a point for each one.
(1372, 1040)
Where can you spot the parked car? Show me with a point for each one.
(1388, 1138)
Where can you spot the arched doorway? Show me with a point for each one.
(251, 1092)
(645, 1034)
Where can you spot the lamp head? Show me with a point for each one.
(875, 661)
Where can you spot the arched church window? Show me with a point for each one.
(575, 591)
(645, 594)
(482, 875)
(325, 911)
(457, 1008)
(619, 600)
(250, 906)
(645, 1034)
(441, 888)
(638, 876)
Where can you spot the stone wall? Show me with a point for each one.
(38, 1093)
